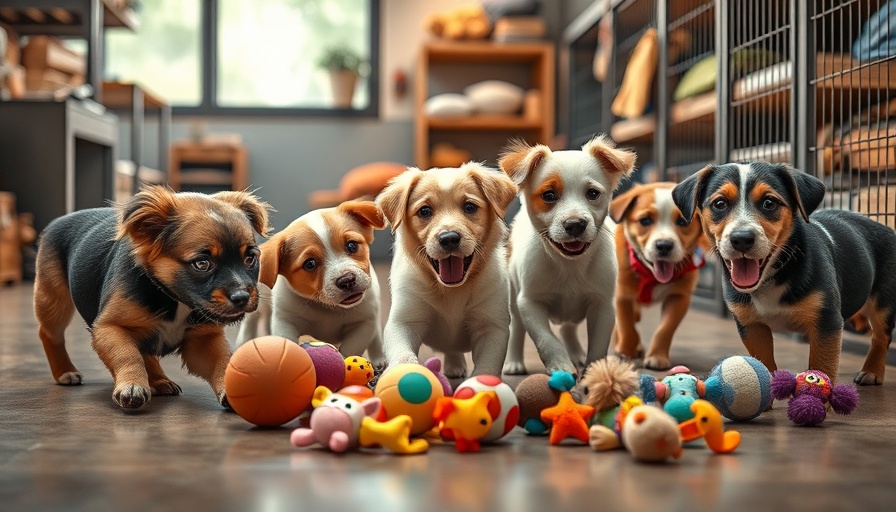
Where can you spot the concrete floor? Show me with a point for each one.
(71, 449)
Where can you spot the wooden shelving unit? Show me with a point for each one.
(442, 57)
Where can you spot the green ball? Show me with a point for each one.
(414, 388)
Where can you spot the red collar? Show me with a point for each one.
(647, 281)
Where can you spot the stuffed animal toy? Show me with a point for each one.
(603, 438)
(434, 364)
(465, 420)
(650, 434)
(504, 409)
(739, 387)
(604, 385)
(342, 423)
(676, 392)
(568, 419)
(470, 22)
(536, 393)
(810, 391)
(707, 423)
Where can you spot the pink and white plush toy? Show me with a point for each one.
(341, 423)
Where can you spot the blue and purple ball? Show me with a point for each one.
(739, 387)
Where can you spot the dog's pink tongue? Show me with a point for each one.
(573, 246)
(745, 272)
(663, 271)
(451, 269)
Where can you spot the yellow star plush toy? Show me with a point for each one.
(568, 419)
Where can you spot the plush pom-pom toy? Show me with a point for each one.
(329, 364)
(504, 408)
(810, 391)
(435, 366)
(605, 384)
(269, 381)
(342, 423)
(739, 387)
(536, 393)
(650, 434)
(410, 389)
(465, 420)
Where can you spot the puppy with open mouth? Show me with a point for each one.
(790, 268)
(163, 273)
(562, 258)
(449, 277)
(658, 253)
(322, 282)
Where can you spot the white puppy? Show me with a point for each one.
(563, 261)
(323, 284)
(449, 272)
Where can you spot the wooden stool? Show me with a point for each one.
(10, 241)
(186, 156)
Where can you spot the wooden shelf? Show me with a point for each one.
(484, 123)
(484, 52)
(639, 129)
(35, 20)
(685, 115)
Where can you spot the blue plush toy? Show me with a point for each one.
(677, 391)
(739, 387)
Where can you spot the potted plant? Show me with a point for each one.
(343, 64)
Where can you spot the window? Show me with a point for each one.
(247, 56)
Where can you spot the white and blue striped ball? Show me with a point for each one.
(739, 387)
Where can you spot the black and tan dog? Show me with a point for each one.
(786, 268)
(163, 273)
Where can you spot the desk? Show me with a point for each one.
(57, 157)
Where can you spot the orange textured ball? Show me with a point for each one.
(269, 381)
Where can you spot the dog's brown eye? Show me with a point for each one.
(645, 221)
(202, 265)
(769, 204)
(720, 204)
(310, 264)
(424, 212)
(250, 260)
(549, 196)
(592, 194)
(470, 208)
(351, 247)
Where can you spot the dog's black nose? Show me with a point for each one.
(575, 227)
(664, 247)
(346, 281)
(239, 298)
(742, 240)
(449, 240)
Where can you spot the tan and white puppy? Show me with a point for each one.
(322, 282)
(563, 261)
(658, 252)
(449, 272)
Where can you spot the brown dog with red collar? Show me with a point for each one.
(658, 253)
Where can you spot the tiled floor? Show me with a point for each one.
(72, 449)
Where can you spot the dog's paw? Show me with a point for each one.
(625, 353)
(70, 379)
(454, 372)
(514, 368)
(165, 387)
(568, 367)
(864, 378)
(131, 396)
(657, 363)
(222, 399)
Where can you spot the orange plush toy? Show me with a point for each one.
(568, 419)
(465, 421)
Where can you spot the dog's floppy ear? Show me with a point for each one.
(255, 209)
(497, 188)
(367, 213)
(691, 192)
(621, 204)
(518, 159)
(617, 162)
(144, 216)
(807, 190)
(269, 262)
(393, 200)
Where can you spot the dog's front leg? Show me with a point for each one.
(375, 350)
(117, 349)
(759, 342)
(287, 329)
(490, 347)
(401, 342)
(205, 353)
(825, 343)
(357, 339)
(675, 307)
(513, 361)
(628, 342)
(538, 324)
(600, 319)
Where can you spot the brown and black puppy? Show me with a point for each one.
(658, 252)
(789, 269)
(162, 273)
